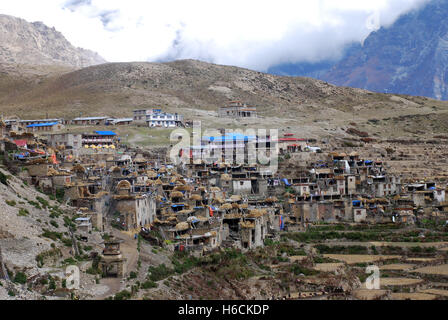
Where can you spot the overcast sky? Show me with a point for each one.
(255, 34)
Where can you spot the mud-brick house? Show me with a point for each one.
(39, 173)
(326, 211)
(342, 210)
(84, 224)
(97, 219)
(384, 185)
(404, 215)
(350, 184)
(247, 233)
(313, 211)
(439, 195)
(303, 213)
(60, 178)
(209, 229)
(140, 163)
(70, 141)
(225, 183)
(47, 178)
(359, 211)
(197, 244)
(422, 198)
(38, 169)
(250, 234)
(254, 228)
(216, 193)
(237, 109)
(340, 182)
(134, 210)
(45, 183)
(80, 195)
(242, 185)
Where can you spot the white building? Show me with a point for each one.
(163, 119)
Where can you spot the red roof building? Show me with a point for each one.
(21, 143)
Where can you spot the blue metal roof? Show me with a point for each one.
(230, 137)
(48, 124)
(106, 133)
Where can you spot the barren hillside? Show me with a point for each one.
(197, 89)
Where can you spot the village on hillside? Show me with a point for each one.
(342, 211)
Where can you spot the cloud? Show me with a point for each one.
(249, 33)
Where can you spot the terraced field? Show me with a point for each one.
(415, 269)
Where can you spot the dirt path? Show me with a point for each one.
(128, 250)
(114, 286)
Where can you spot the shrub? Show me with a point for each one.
(35, 204)
(52, 235)
(430, 250)
(43, 202)
(70, 261)
(67, 242)
(123, 295)
(93, 271)
(11, 203)
(23, 212)
(3, 178)
(297, 269)
(416, 249)
(149, 284)
(50, 253)
(52, 285)
(54, 224)
(60, 193)
(160, 272)
(20, 278)
(291, 251)
(68, 223)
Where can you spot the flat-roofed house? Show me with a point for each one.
(164, 120)
(237, 109)
(90, 121)
(39, 121)
(44, 127)
(103, 138)
(140, 115)
(119, 121)
(290, 144)
(68, 140)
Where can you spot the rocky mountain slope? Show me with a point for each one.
(410, 57)
(34, 43)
